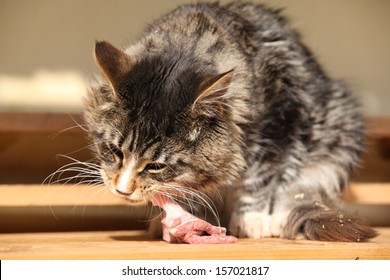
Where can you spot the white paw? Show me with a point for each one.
(250, 224)
(277, 223)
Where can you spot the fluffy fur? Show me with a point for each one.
(216, 96)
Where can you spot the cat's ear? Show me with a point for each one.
(113, 62)
(212, 93)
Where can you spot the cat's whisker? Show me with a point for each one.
(199, 198)
(75, 168)
(206, 202)
(88, 147)
(54, 135)
(83, 173)
(96, 188)
(86, 171)
(82, 126)
(75, 161)
(174, 197)
(151, 214)
(180, 187)
(82, 180)
(78, 125)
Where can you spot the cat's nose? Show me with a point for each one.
(135, 195)
(122, 193)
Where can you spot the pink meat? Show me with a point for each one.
(180, 226)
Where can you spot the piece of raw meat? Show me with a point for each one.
(180, 226)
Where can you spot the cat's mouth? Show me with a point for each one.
(135, 197)
(142, 196)
(137, 202)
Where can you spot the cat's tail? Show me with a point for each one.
(327, 223)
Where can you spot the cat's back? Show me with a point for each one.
(238, 24)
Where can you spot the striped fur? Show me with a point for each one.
(216, 96)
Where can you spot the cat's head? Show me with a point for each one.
(162, 123)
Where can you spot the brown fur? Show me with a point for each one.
(215, 96)
(318, 222)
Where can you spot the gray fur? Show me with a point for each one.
(216, 96)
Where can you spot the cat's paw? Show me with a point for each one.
(250, 224)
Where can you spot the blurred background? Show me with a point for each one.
(46, 46)
(45, 64)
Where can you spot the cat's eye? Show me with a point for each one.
(117, 153)
(154, 167)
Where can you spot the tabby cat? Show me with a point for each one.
(215, 97)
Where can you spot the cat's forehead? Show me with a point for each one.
(153, 102)
(157, 87)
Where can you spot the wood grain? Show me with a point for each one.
(378, 127)
(131, 245)
(65, 195)
(56, 195)
(40, 122)
(368, 193)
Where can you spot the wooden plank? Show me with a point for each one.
(368, 193)
(132, 245)
(65, 195)
(378, 127)
(56, 195)
(40, 122)
(72, 218)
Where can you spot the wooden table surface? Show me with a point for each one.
(136, 245)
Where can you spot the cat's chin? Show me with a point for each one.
(139, 201)
(136, 202)
(134, 198)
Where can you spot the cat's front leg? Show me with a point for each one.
(250, 216)
(250, 224)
